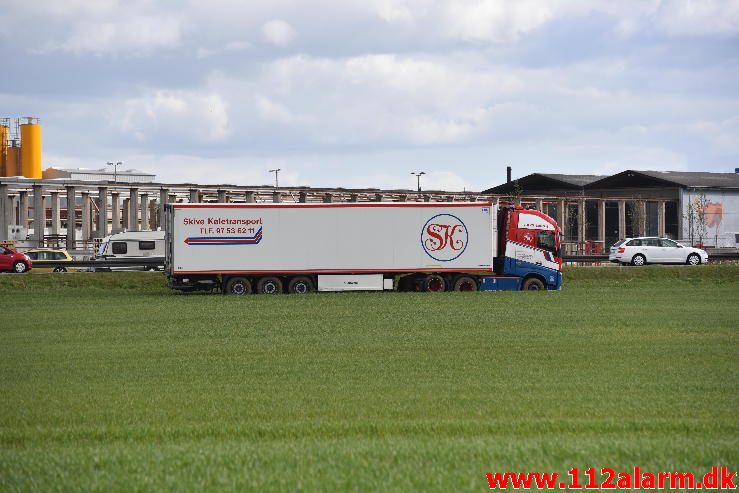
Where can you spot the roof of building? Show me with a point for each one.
(577, 180)
(555, 182)
(545, 181)
(683, 179)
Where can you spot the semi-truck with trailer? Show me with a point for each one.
(409, 246)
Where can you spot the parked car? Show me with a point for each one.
(41, 256)
(12, 261)
(651, 250)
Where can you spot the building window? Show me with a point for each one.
(612, 228)
(571, 222)
(671, 220)
(652, 219)
(550, 209)
(591, 220)
(634, 218)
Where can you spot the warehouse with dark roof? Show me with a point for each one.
(596, 210)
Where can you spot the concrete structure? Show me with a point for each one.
(593, 211)
(102, 174)
(102, 207)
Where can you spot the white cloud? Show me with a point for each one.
(432, 180)
(496, 21)
(374, 97)
(278, 32)
(555, 84)
(107, 27)
(193, 116)
(399, 11)
(641, 158)
(230, 47)
(234, 171)
(277, 112)
(699, 17)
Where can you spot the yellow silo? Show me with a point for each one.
(3, 148)
(31, 148)
(12, 161)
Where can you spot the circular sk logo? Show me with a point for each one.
(444, 237)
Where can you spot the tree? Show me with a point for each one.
(701, 218)
(635, 217)
(697, 218)
(515, 193)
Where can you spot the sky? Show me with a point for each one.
(343, 93)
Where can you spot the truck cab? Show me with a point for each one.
(529, 248)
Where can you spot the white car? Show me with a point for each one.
(650, 250)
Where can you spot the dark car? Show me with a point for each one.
(12, 261)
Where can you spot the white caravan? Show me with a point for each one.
(132, 245)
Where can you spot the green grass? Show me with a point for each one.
(109, 382)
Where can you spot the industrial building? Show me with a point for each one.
(20, 147)
(594, 211)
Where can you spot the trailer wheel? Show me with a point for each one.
(434, 283)
(300, 285)
(532, 284)
(465, 283)
(269, 285)
(238, 286)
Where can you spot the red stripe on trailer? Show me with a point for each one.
(326, 271)
(343, 204)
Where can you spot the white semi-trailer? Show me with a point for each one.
(298, 248)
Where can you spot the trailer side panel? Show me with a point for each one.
(332, 238)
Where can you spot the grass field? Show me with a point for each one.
(109, 382)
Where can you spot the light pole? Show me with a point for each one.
(115, 169)
(418, 176)
(275, 171)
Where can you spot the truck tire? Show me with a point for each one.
(434, 283)
(300, 285)
(238, 286)
(465, 283)
(532, 284)
(269, 285)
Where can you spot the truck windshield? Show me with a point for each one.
(545, 240)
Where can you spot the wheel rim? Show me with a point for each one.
(301, 288)
(693, 260)
(20, 267)
(269, 288)
(534, 287)
(638, 260)
(466, 285)
(435, 285)
(238, 288)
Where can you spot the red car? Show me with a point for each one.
(12, 261)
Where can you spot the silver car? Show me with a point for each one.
(651, 250)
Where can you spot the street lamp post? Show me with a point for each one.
(418, 176)
(275, 171)
(115, 169)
